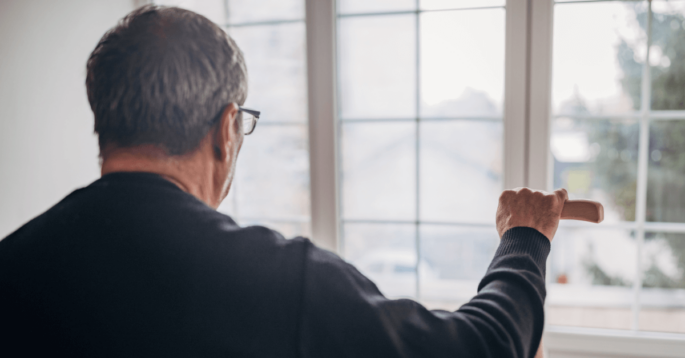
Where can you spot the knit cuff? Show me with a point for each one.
(525, 240)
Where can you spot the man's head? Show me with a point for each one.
(171, 80)
(160, 77)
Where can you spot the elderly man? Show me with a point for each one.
(140, 263)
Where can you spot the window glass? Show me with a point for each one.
(590, 276)
(385, 253)
(377, 67)
(666, 181)
(277, 73)
(374, 6)
(599, 48)
(459, 4)
(597, 159)
(597, 82)
(378, 166)
(663, 282)
(453, 261)
(271, 184)
(461, 170)
(272, 179)
(420, 116)
(665, 56)
(244, 11)
(462, 75)
(663, 256)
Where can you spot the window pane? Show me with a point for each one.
(599, 49)
(597, 159)
(662, 298)
(211, 9)
(378, 171)
(377, 67)
(458, 4)
(462, 63)
(272, 176)
(242, 11)
(453, 261)
(666, 55)
(365, 6)
(271, 184)
(666, 183)
(591, 272)
(461, 170)
(386, 254)
(377, 87)
(275, 57)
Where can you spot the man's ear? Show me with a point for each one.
(227, 132)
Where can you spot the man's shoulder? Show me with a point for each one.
(149, 210)
(260, 238)
(156, 235)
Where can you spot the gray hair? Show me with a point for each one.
(162, 76)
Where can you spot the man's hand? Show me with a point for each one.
(530, 208)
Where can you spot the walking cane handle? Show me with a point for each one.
(585, 210)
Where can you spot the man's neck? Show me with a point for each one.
(185, 171)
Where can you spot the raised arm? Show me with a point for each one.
(344, 314)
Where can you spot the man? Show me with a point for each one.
(140, 263)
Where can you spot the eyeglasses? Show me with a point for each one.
(250, 118)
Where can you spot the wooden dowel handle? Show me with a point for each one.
(585, 210)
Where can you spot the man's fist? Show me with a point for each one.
(530, 208)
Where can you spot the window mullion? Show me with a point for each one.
(540, 95)
(321, 42)
(515, 79)
(642, 167)
(417, 143)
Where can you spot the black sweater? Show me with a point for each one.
(133, 266)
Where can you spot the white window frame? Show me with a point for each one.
(323, 147)
(540, 170)
(527, 158)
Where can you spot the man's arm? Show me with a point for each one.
(344, 314)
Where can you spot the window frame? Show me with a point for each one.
(235, 209)
(324, 122)
(527, 160)
(541, 167)
(416, 120)
(526, 157)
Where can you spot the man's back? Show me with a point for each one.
(132, 265)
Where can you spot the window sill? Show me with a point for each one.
(576, 342)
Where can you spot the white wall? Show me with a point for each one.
(47, 145)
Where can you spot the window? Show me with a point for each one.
(271, 186)
(272, 177)
(421, 90)
(429, 108)
(618, 136)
